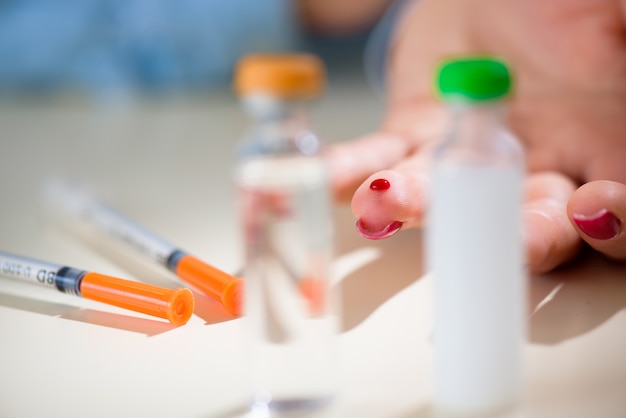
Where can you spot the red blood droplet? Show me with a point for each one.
(380, 184)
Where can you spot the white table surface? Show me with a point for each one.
(167, 163)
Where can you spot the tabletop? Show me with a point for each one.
(167, 162)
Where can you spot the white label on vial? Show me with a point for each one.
(476, 254)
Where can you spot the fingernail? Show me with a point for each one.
(601, 225)
(387, 231)
(380, 184)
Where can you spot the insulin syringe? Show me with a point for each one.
(174, 305)
(74, 206)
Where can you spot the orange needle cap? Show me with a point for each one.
(174, 305)
(220, 286)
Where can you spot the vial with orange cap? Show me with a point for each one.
(283, 186)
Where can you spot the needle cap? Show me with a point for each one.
(174, 305)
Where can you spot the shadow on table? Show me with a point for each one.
(563, 304)
(576, 298)
(372, 272)
(243, 411)
(149, 327)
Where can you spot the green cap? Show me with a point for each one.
(475, 79)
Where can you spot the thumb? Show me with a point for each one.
(598, 211)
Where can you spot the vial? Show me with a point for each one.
(474, 244)
(285, 201)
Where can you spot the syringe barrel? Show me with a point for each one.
(175, 305)
(79, 210)
(41, 273)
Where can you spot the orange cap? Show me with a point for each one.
(220, 286)
(287, 76)
(174, 305)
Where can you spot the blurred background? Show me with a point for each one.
(133, 99)
(111, 49)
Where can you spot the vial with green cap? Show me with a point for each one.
(474, 243)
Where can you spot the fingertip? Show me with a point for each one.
(592, 197)
(550, 240)
(598, 212)
(376, 233)
(389, 199)
(602, 225)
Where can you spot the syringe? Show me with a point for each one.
(74, 206)
(174, 305)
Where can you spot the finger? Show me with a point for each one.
(392, 199)
(352, 162)
(550, 238)
(598, 211)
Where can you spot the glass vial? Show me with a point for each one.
(474, 244)
(285, 199)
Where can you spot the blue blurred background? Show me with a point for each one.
(113, 47)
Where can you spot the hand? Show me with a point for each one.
(568, 109)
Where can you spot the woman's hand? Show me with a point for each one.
(568, 109)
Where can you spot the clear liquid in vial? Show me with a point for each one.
(288, 232)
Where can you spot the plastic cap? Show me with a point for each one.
(474, 78)
(226, 289)
(174, 305)
(287, 76)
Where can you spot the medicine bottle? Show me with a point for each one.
(284, 194)
(474, 243)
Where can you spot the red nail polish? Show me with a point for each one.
(387, 231)
(601, 225)
(380, 184)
